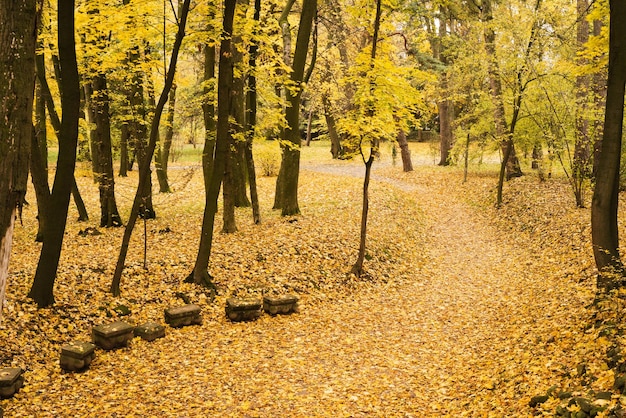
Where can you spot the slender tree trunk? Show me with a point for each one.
(39, 160)
(18, 33)
(357, 268)
(251, 112)
(581, 170)
(604, 226)
(200, 274)
(124, 135)
(163, 151)
(42, 289)
(144, 171)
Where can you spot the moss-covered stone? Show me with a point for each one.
(537, 400)
(77, 356)
(243, 309)
(181, 316)
(11, 381)
(150, 331)
(114, 335)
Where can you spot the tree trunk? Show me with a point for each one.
(335, 143)
(39, 160)
(287, 180)
(604, 228)
(124, 135)
(42, 289)
(144, 171)
(405, 152)
(357, 268)
(103, 157)
(446, 134)
(213, 180)
(251, 112)
(163, 151)
(582, 145)
(17, 65)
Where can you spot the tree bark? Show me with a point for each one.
(163, 151)
(251, 112)
(18, 33)
(604, 227)
(581, 169)
(405, 152)
(39, 160)
(289, 173)
(43, 283)
(357, 267)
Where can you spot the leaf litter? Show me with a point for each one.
(464, 311)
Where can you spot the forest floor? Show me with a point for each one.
(464, 310)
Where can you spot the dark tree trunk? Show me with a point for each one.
(144, 172)
(163, 151)
(213, 180)
(289, 173)
(357, 267)
(604, 227)
(18, 33)
(39, 160)
(251, 113)
(124, 137)
(102, 150)
(56, 124)
(581, 167)
(42, 289)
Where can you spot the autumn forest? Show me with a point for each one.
(303, 208)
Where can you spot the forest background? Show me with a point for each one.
(362, 77)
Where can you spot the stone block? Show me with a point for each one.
(284, 304)
(150, 331)
(114, 335)
(11, 380)
(243, 309)
(181, 316)
(77, 356)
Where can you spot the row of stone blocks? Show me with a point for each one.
(250, 309)
(77, 356)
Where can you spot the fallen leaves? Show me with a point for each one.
(465, 311)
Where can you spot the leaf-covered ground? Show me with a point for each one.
(464, 311)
